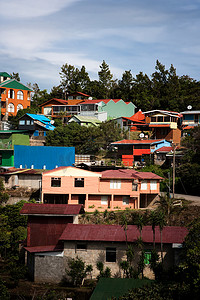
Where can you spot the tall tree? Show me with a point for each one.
(125, 86)
(161, 224)
(105, 79)
(153, 217)
(69, 79)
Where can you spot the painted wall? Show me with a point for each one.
(41, 157)
(118, 109)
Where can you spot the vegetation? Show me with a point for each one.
(77, 270)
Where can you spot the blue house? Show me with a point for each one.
(43, 157)
(38, 125)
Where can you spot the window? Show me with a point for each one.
(144, 185)
(115, 184)
(160, 119)
(126, 200)
(153, 119)
(81, 247)
(147, 257)
(11, 107)
(22, 122)
(56, 182)
(110, 254)
(104, 200)
(19, 106)
(11, 94)
(153, 185)
(28, 96)
(20, 95)
(134, 186)
(28, 122)
(32, 122)
(79, 182)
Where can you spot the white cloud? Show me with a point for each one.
(32, 8)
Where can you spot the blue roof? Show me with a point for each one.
(42, 119)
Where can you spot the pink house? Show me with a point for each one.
(112, 190)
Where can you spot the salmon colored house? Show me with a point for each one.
(112, 189)
(13, 94)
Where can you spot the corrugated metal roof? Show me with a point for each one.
(5, 74)
(51, 209)
(51, 248)
(129, 174)
(165, 149)
(61, 101)
(132, 142)
(14, 84)
(12, 171)
(115, 233)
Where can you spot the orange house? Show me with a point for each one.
(111, 190)
(13, 94)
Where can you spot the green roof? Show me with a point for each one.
(13, 131)
(107, 288)
(5, 74)
(14, 84)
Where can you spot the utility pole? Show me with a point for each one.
(174, 171)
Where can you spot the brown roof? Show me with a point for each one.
(51, 209)
(115, 233)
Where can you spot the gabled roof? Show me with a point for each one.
(132, 142)
(164, 149)
(115, 233)
(93, 101)
(5, 74)
(71, 171)
(129, 174)
(51, 209)
(50, 248)
(41, 118)
(86, 119)
(60, 101)
(14, 84)
(190, 112)
(164, 112)
(78, 93)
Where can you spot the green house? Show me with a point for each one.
(9, 138)
(117, 108)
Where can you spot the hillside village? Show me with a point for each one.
(93, 186)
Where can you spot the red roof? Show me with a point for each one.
(129, 174)
(165, 149)
(61, 101)
(130, 142)
(138, 116)
(51, 209)
(188, 127)
(51, 248)
(159, 125)
(93, 101)
(79, 93)
(115, 233)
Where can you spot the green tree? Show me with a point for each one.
(161, 224)
(125, 86)
(106, 273)
(153, 218)
(77, 270)
(105, 79)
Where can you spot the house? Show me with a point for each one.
(77, 96)
(133, 123)
(14, 95)
(111, 189)
(37, 126)
(54, 236)
(190, 119)
(43, 157)
(46, 223)
(164, 125)
(8, 139)
(85, 121)
(160, 155)
(102, 109)
(130, 151)
(47, 106)
(23, 178)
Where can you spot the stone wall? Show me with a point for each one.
(49, 269)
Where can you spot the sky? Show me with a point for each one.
(39, 36)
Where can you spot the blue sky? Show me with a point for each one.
(39, 36)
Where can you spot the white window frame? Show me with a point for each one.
(104, 200)
(21, 122)
(153, 185)
(144, 185)
(11, 107)
(19, 106)
(20, 95)
(115, 184)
